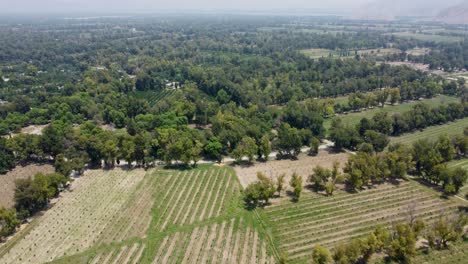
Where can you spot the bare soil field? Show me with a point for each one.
(7, 181)
(303, 166)
(80, 218)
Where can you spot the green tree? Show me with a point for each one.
(394, 96)
(261, 190)
(246, 148)
(8, 222)
(403, 245)
(280, 183)
(314, 146)
(445, 148)
(296, 184)
(289, 141)
(321, 255)
(264, 148)
(213, 149)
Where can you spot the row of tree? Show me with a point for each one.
(398, 244)
(375, 131)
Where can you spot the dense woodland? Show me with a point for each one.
(178, 90)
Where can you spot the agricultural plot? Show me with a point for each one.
(355, 118)
(229, 241)
(326, 221)
(302, 166)
(325, 53)
(427, 37)
(152, 97)
(193, 196)
(127, 254)
(433, 132)
(81, 218)
(7, 181)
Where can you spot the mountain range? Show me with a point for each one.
(448, 11)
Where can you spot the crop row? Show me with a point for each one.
(79, 218)
(194, 196)
(125, 255)
(328, 220)
(227, 242)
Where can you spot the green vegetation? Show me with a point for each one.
(354, 118)
(428, 37)
(433, 132)
(329, 220)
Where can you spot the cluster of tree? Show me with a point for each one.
(8, 222)
(397, 244)
(261, 191)
(375, 131)
(426, 159)
(368, 168)
(324, 179)
(31, 195)
(430, 159)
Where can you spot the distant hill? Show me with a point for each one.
(457, 14)
(391, 9)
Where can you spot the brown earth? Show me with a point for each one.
(302, 166)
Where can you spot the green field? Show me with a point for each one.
(427, 37)
(326, 221)
(433, 132)
(355, 118)
(325, 53)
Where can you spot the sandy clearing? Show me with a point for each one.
(7, 181)
(303, 166)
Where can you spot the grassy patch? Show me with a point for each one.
(427, 37)
(355, 118)
(433, 132)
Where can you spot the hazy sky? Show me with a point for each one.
(70, 6)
